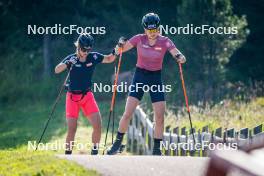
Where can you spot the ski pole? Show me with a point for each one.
(113, 122)
(53, 107)
(186, 100)
(113, 98)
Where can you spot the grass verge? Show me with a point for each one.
(226, 114)
(23, 122)
(22, 162)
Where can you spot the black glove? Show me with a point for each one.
(70, 61)
(121, 41)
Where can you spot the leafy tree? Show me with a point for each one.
(247, 62)
(208, 53)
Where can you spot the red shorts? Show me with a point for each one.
(87, 104)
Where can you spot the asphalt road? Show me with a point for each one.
(142, 165)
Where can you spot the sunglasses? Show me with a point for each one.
(85, 49)
(152, 30)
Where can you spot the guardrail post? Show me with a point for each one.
(176, 151)
(144, 133)
(212, 137)
(231, 133)
(257, 129)
(218, 132)
(244, 133)
(183, 136)
(250, 137)
(134, 134)
(205, 129)
(192, 150)
(129, 137)
(167, 130)
(225, 136)
(199, 141)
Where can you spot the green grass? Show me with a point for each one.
(226, 114)
(21, 162)
(23, 122)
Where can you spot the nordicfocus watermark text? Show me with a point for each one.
(124, 87)
(205, 145)
(191, 29)
(58, 145)
(58, 29)
(198, 146)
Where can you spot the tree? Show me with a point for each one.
(247, 62)
(208, 53)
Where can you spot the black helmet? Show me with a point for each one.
(85, 41)
(151, 21)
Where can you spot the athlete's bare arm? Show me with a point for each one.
(109, 58)
(60, 68)
(127, 46)
(63, 65)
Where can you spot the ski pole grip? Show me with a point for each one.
(121, 41)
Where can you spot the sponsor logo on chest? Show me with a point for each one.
(157, 48)
(95, 56)
(89, 64)
(78, 65)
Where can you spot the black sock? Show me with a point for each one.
(120, 136)
(157, 144)
(68, 152)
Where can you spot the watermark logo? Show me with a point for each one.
(198, 146)
(190, 29)
(58, 145)
(124, 87)
(58, 29)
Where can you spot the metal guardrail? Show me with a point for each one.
(140, 137)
